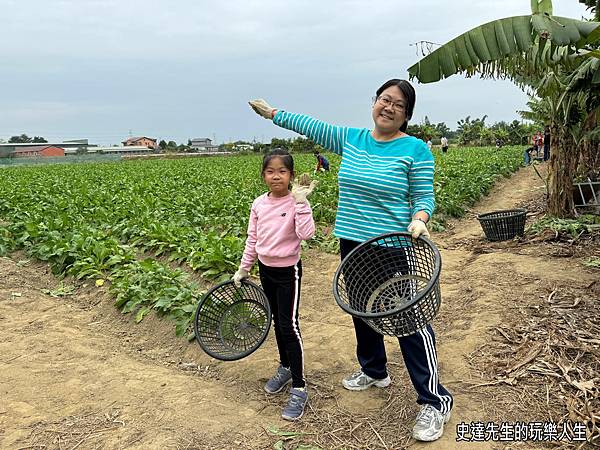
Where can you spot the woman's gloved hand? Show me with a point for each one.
(303, 188)
(418, 228)
(262, 108)
(239, 276)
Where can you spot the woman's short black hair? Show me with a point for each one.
(282, 153)
(409, 94)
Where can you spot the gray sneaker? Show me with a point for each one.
(278, 381)
(360, 381)
(429, 425)
(295, 407)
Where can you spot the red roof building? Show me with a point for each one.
(36, 151)
(141, 141)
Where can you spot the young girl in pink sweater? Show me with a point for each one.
(279, 220)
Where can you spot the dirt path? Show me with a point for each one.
(76, 373)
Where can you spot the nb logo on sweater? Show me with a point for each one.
(283, 215)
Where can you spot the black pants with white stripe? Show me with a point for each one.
(282, 287)
(418, 351)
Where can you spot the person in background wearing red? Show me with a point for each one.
(539, 143)
(322, 163)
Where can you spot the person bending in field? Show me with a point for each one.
(528, 154)
(322, 163)
(279, 220)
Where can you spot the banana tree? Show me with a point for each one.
(569, 101)
(585, 81)
(524, 49)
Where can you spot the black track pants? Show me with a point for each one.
(418, 351)
(282, 286)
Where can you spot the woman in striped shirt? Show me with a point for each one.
(385, 185)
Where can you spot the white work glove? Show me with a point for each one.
(303, 188)
(262, 108)
(418, 228)
(239, 276)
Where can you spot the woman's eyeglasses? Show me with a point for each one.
(386, 101)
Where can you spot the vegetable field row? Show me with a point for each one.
(102, 221)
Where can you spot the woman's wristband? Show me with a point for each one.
(422, 220)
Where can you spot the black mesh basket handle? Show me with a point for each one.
(231, 322)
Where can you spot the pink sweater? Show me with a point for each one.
(275, 230)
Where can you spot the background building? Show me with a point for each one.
(37, 151)
(141, 141)
(125, 150)
(8, 150)
(203, 145)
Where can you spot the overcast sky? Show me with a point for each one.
(173, 70)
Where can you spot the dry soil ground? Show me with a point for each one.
(75, 373)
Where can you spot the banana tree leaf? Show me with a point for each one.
(592, 54)
(470, 50)
(594, 36)
(487, 48)
(587, 72)
(562, 30)
(491, 40)
(541, 6)
(504, 43)
(523, 32)
(480, 45)
(596, 77)
(464, 54)
(446, 59)
(565, 32)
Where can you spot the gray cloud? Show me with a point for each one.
(176, 70)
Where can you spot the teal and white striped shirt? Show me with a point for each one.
(382, 184)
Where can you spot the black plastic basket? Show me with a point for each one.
(391, 282)
(232, 322)
(503, 225)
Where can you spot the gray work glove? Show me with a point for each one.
(418, 228)
(262, 108)
(301, 192)
(239, 276)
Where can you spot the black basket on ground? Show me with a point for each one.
(232, 322)
(391, 282)
(503, 225)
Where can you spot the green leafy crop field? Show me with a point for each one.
(94, 220)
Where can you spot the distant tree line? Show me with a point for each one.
(173, 147)
(294, 145)
(469, 132)
(24, 139)
(475, 132)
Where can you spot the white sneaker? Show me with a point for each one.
(429, 425)
(360, 381)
